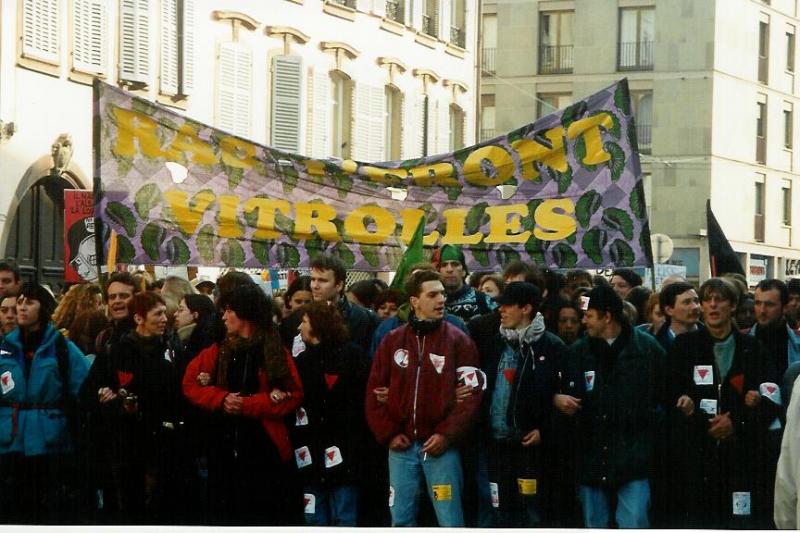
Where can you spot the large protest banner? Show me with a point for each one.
(176, 191)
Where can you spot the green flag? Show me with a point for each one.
(411, 256)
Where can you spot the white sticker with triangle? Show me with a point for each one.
(771, 391)
(310, 502)
(302, 457)
(588, 378)
(333, 457)
(6, 382)
(703, 375)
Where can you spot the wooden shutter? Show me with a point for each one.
(187, 57)
(169, 47)
(134, 41)
(413, 123)
(361, 123)
(89, 36)
(363, 5)
(320, 115)
(443, 19)
(379, 7)
(234, 93)
(377, 132)
(287, 77)
(40, 29)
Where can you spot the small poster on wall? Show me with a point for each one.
(80, 257)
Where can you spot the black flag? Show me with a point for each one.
(720, 254)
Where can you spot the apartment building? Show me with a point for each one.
(714, 93)
(371, 80)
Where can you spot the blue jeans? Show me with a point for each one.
(443, 479)
(633, 501)
(333, 506)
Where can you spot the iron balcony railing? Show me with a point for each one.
(636, 56)
(644, 137)
(394, 11)
(488, 134)
(347, 3)
(487, 60)
(555, 59)
(429, 25)
(761, 150)
(457, 36)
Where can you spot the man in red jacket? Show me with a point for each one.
(421, 364)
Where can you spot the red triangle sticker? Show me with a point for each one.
(330, 379)
(509, 374)
(306, 501)
(702, 373)
(303, 455)
(770, 389)
(124, 378)
(5, 380)
(589, 378)
(331, 455)
(471, 376)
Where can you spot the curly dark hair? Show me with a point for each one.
(327, 323)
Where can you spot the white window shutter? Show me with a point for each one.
(169, 46)
(320, 115)
(379, 7)
(187, 71)
(89, 36)
(413, 123)
(361, 124)
(287, 74)
(443, 19)
(235, 83)
(417, 8)
(135, 41)
(444, 128)
(408, 11)
(40, 29)
(377, 130)
(363, 5)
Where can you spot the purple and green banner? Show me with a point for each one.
(565, 191)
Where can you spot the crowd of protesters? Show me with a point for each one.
(526, 398)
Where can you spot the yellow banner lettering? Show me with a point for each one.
(320, 216)
(186, 215)
(132, 125)
(266, 216)
(505, 229)
(355, 228)
(554, 225)
(590, 129)
(186, 140)
(410, 220)
(238, 153)
(531, 151)
(456, 224)
(436, 174)
(499, 158)
(229, 226)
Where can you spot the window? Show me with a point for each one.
(430, 17)
(394, 124)
(556, 42)
(636, 35)
(394, 10)
(487, 117)
(134, 47)
(788, 125)
(548, 103)
(40, 30)
(234, 76)
(287, 74)
(787, 203)
(761, 129)
(340, 113)
(489, 43)
(763, 49)
(458, 23)
(643, 114)
(457, 118)
(790, 48)
(177, 46)
(758, 230)
(89, 36)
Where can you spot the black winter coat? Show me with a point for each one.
(622, 407)
(332, 414)
(706, 472)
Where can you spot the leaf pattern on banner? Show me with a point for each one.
(288, 256)
(564, 256)
(260, 250)
(564, 179)
(617, 161)
(572, 113)
(370, 254)
(178, 252)
(529, 222)
(315, 246)
(122, 216)
(593, 243)
(481, 254)
(619, 220)
(580, 154)
(622, 99)
(125, 250)
(535, 248)
(621, 253)
(616, 125)
(476, 217)
(206, 243)
(343, 252)
(506, 254)
(232, 253)
(290, 179)
(152, 237)
(147, 197)
(587, 205)
(637, 201)
(633, 139)
(453, 193)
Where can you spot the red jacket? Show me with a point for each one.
(258, 405)
(436, 408)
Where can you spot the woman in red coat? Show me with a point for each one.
(248, 384)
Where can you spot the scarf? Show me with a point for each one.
(526, 335)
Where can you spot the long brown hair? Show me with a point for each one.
(326, 322)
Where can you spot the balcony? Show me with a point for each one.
(394, 11)
(761, 150)
(644, 138)
(635, 56)
(758, 229)
(487, 60)
(488, 134)
(763, 70)
(457, 37)
(555, 59)
(429, 25)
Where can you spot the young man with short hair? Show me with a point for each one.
(421, 421)
(521, 362)
(613, 383)
(41, 373)
(723, 397)
(119, 290)
(10, 278)
(8, 313)
(462, 300)
(681, 308)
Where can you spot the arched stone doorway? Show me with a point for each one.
(34, 229)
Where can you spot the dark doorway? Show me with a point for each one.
(36, 239)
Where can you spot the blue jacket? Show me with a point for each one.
(32, 420)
